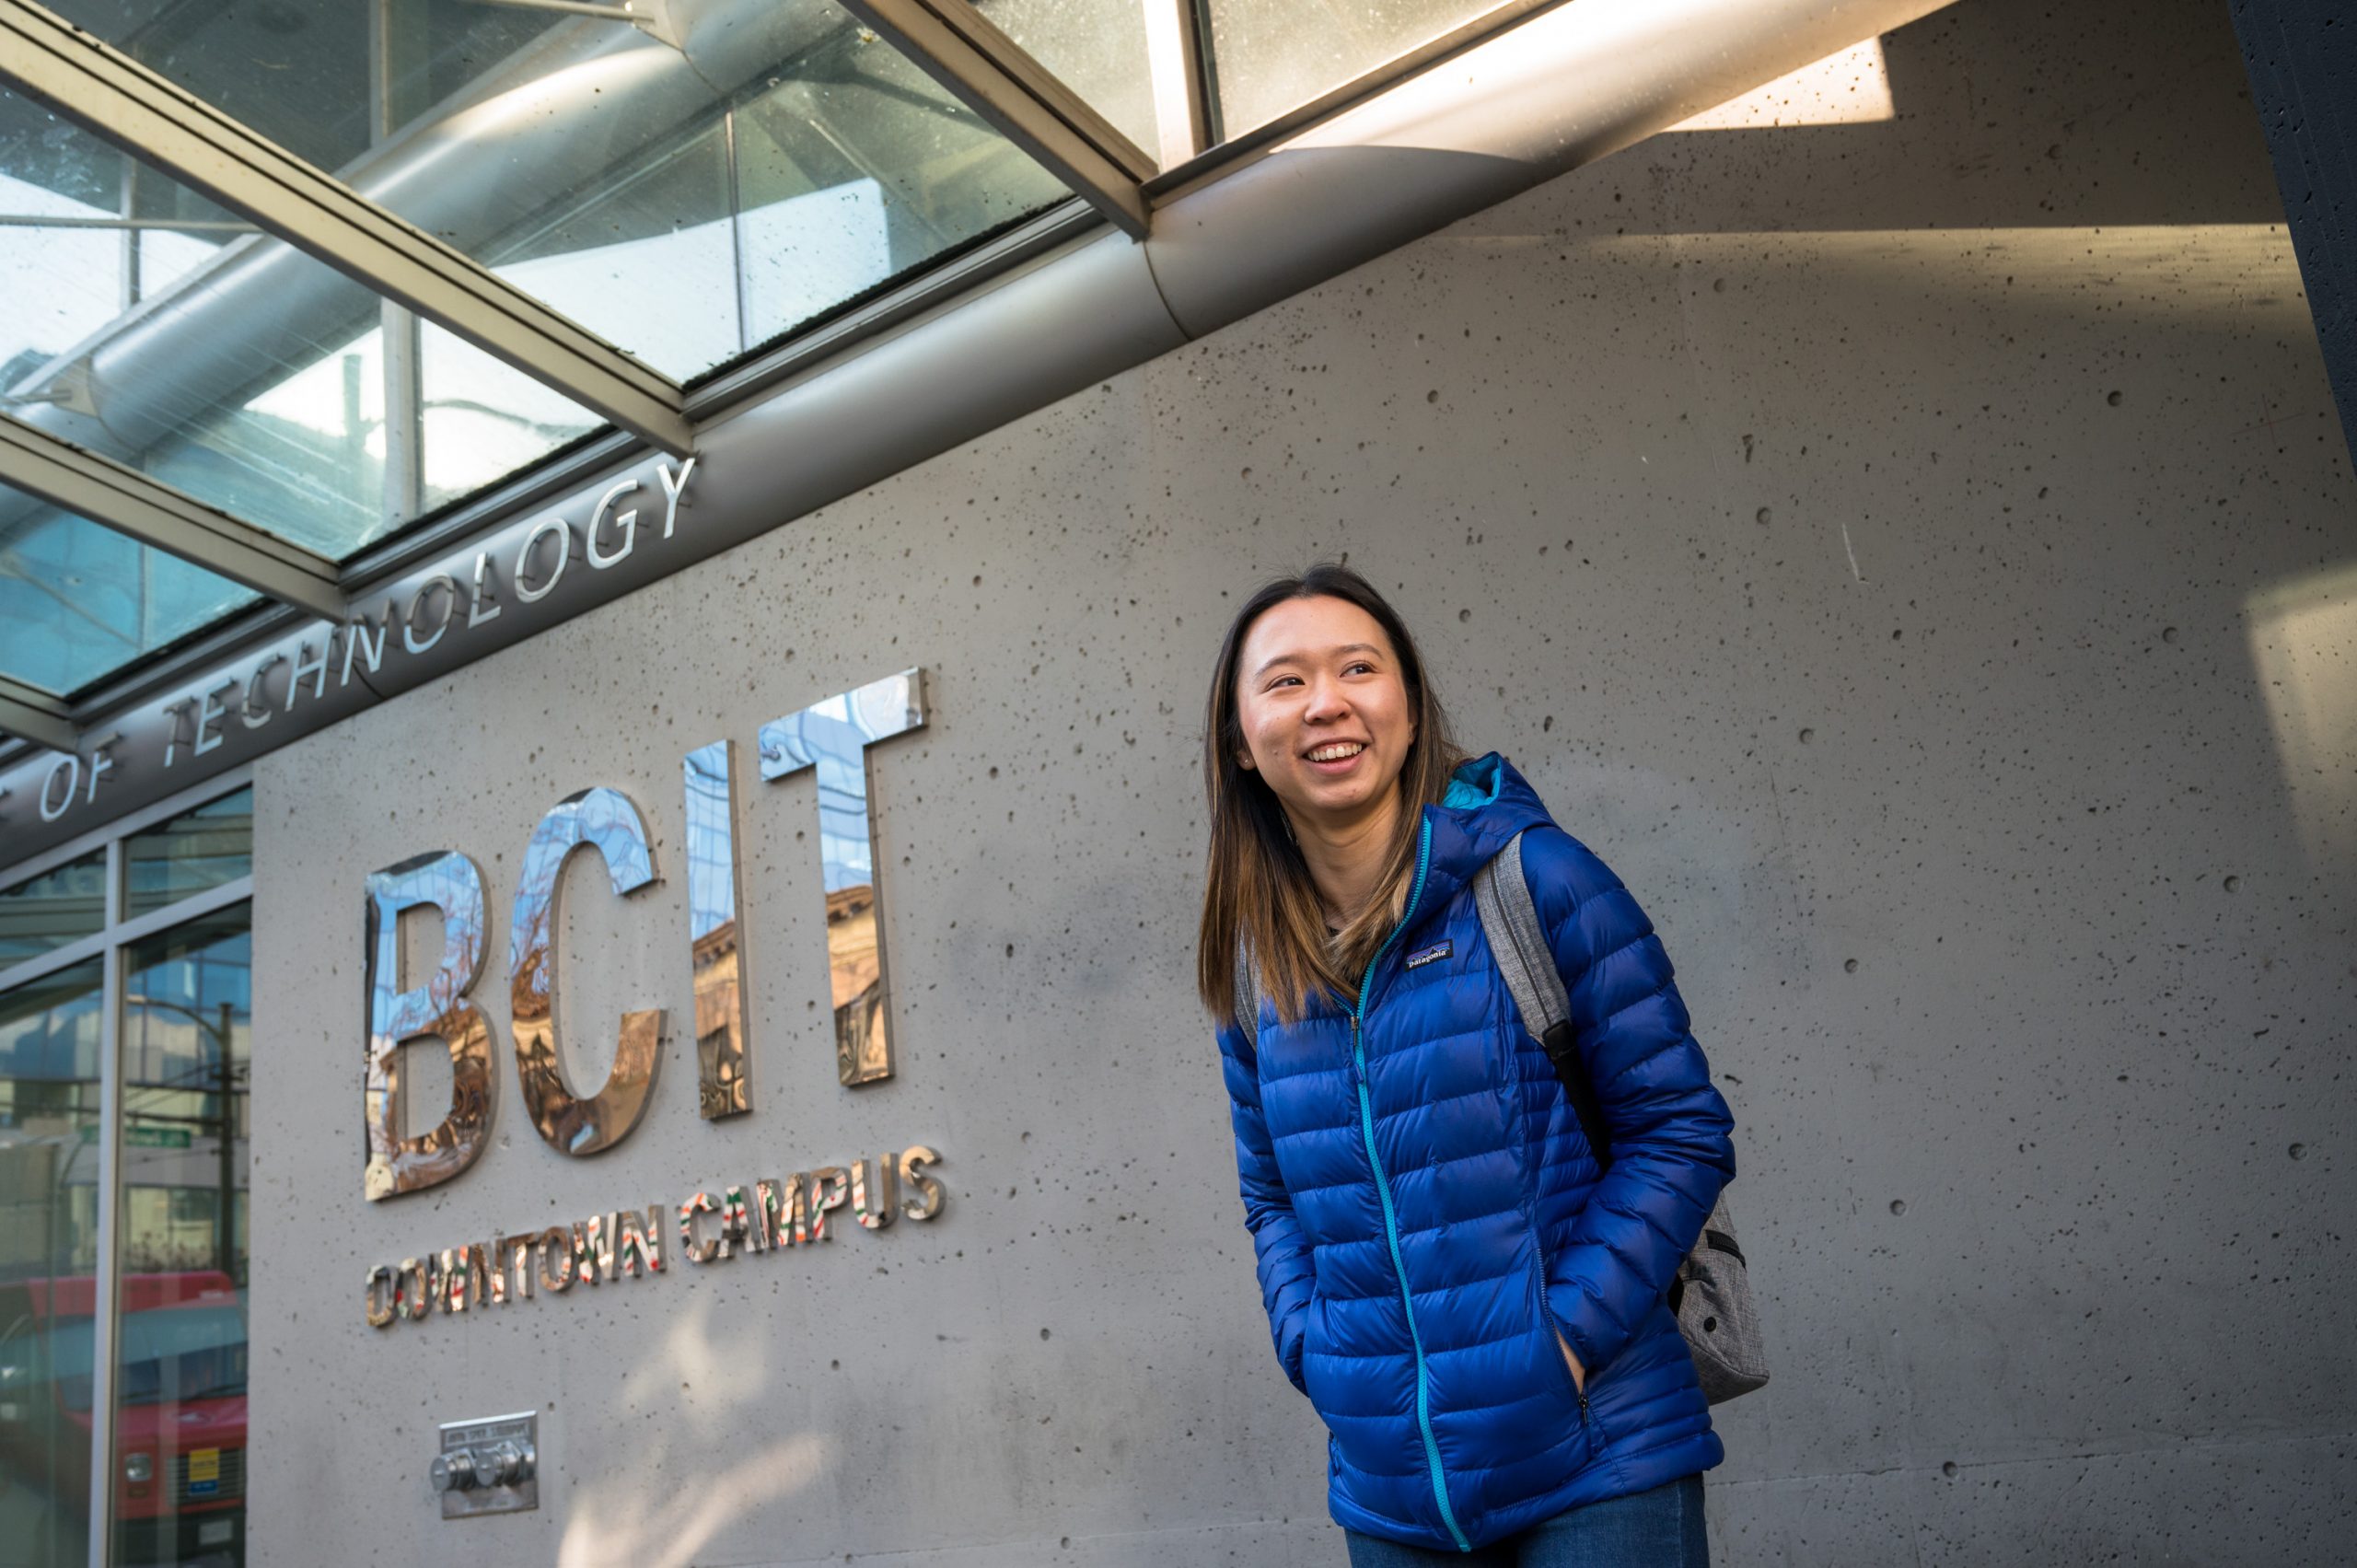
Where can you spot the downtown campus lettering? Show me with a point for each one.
(830, 737)
(625, 1245)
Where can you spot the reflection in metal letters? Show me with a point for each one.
(782, 1211)
(464, 1274)
(555, 1246)
(413, 1292)
(514, 1256)
(833, 737)
(736, 1231)
(381, 1297)
(606, 822)
(692, 1250)
(926, 1202)
(638, 1243)
(740, 1220)
(830, 1184)
(593, 1256)
(875, 1191)
(716, 940)
(451, 883)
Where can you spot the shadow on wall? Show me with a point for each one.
(2087, 151)
(2100, 168)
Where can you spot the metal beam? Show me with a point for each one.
(1174, 59)
(37, 716)
(153, 513)
(121, 100)
(990, 74)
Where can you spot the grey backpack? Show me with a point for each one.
(1711, 1294)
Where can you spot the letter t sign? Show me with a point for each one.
(833, 737)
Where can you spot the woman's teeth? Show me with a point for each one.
(1336, 752)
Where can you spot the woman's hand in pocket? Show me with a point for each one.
(1579, 1373)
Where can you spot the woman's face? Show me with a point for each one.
(1324, 709)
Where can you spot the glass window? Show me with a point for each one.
(199, 849)
(605, 168)
(227, 364)
(853, 170)
(78, 600)
(48, 1240)
(1271, 55)
(1095, 47)
(43, 913)
(180, 1389)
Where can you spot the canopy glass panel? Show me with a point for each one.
(1275, 55)
(1097, 48)
(78, 601)
(689, 185)
(141, 322)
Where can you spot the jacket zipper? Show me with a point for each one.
(1547, 1310)
(1383, 1189)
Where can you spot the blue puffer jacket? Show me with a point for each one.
(1428, 1215)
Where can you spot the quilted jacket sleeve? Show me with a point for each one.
(1286, 1270)
(1671, 1151)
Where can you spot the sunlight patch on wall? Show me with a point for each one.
(1849, 89)
(2303, 649)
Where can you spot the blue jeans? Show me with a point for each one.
(1661, 1528)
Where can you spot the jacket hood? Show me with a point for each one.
(1488, 802)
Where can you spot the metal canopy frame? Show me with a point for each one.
(120, 99)
(153, 513)
(991, 73)
(1173, 49)
(37, 716)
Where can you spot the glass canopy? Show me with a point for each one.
(688, 191)
(149, 325)
(691, 180)
(78, 600)
(1274, 55)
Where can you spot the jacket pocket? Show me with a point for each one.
(1574, 1397)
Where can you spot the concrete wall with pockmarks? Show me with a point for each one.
(1914, 548)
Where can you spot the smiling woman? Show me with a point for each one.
(1471, 1289)
(1313, 668)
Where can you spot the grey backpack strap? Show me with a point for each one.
(1248, 995)
(1527, 961)
(1510, 921)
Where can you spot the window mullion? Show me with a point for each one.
(105, 1319)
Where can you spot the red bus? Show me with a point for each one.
(180, 1431)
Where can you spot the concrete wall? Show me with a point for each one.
(1916, 553)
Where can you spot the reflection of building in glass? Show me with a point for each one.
(42, 913)
(832, 739)
(716, 941)
(49, 1114)
(856, 970)
(603, 821)
(176, 1416)
(185, 1069)
(719, 993)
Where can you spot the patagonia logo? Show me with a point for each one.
(1430, 955)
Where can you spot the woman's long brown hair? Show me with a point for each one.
(1257, 888)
